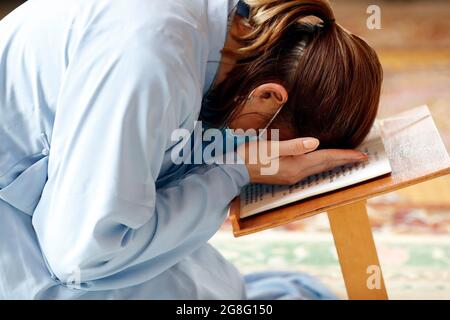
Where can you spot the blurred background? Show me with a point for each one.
(411, 226)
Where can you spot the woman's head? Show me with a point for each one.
(295, 56)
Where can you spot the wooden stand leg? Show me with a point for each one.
(357, 253)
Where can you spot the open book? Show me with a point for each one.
(257, 198)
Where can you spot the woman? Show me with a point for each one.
(91, 205)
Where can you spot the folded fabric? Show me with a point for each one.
(281, 285)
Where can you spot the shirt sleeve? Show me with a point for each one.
(101, 221)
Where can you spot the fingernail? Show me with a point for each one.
(310, 143)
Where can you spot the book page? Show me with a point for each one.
(257, 198)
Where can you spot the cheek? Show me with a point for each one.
(248, 120)
(284, 133)
(242, 122)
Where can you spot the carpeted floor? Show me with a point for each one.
(412, 239)
(414, 267)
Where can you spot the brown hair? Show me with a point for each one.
(333, 83)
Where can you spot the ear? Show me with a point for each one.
(273, 93)
(264, 101)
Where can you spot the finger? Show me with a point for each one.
(326, 156)
(322, 160)
(331, 155)
(327, 166)
(297, 146)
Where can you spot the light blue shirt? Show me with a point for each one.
(91, 205)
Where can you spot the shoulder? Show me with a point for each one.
(152, 36)
(173, 22)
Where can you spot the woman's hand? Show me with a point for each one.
(296, 160)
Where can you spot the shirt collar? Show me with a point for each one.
(218, 12)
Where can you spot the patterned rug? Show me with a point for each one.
(414, 267)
